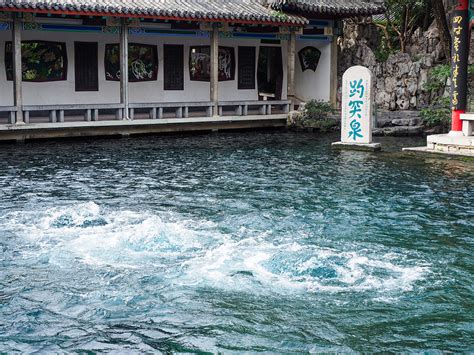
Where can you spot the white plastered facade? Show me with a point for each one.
(308, 84)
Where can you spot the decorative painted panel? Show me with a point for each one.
(200, 63)
(251, 35)
(142, 62)
(143, 31)
(35, 26)
(41, 61)
(309, 58)
(314, 38)
(4, 26)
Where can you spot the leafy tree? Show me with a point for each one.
(402, 17)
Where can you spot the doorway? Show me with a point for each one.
(270, 73)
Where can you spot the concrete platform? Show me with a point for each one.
(372, 147)
(32, 131)
(446, 144)
(429, 152)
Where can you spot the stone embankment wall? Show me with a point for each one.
(401, 79)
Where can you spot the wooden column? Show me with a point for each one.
(17, 70)
(124, 68)
(291, 90)
(333, 74)
(214, 90)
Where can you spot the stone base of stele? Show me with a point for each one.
(365, 147)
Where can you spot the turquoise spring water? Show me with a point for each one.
(233, 242)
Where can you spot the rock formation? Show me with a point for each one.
(401, 79)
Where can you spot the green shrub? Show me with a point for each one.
(317, 110)
(439, 75)
(317, 115)
(324, 125)
(439, 114)
(382, 53)
(437, 78)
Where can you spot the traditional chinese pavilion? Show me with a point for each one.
(87, 67)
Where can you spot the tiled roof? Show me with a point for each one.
(342, 8)
(211, 10)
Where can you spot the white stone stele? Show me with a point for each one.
(364, 117)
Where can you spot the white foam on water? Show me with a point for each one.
(259, 265)
(97, 236)
(201, 256)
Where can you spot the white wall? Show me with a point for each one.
(310, 84)
(63, 92)
(6, 87)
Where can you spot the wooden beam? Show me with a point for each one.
(214, 81)
(17, 70)
(291, 90)
(124, 69)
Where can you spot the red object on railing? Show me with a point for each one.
(463, 5)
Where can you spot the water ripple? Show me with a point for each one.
(229, 243)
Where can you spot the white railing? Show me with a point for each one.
(11, 113)
(56, 112)
(96, 112)
(467, 124)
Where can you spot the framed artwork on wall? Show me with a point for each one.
(142, 62)
(41, 61)
(200, 63)
(309, 58)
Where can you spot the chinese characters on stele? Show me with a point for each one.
(356, 103)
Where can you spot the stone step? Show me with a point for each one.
(399, 131)
(387, 122)
(398, 118)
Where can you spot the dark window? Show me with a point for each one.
(309, 58)
(173, 67)
(200, 63)
(86, 66)
(246, 73)
(41, 61)
(142, 62)
(270, 71)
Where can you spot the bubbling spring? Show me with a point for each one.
(233, 242)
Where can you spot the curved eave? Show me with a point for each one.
(72, 9)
